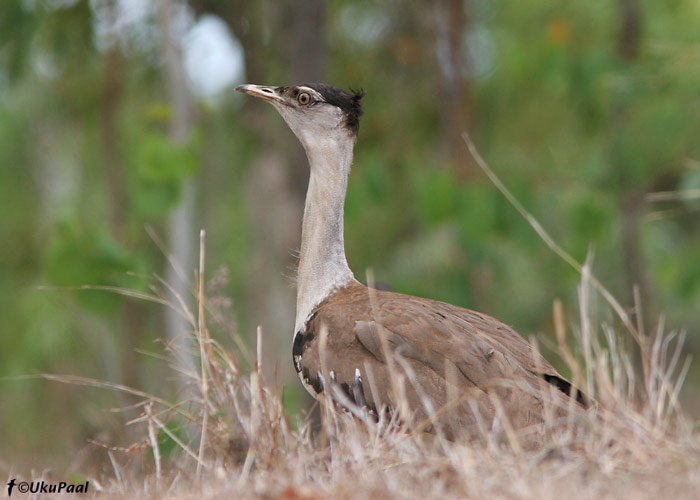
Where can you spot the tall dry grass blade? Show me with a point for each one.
(328, 414)
(252, 428)
(674, 404)
(259, 349)
(397, 387)
(125, 292)
(549, 241)
(374, 391)
(176, 439)
(143, 417)
(639, 310)
(89, 382)
(621, 387)
(179, 271)
(584, 299)
(183, 309)
(451, 384)
(679, 195)
(559, 321)
(117, 470)
(247, 466)
(544, 386)
(479, 419)
(203, 354)
(502, 418)
(430, 410)
(153, 438)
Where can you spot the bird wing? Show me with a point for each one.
(480, 346)
(438, 347)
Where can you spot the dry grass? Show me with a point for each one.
(234, 439)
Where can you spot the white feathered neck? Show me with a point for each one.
(323, 267)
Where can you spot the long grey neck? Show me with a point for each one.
(323, 267)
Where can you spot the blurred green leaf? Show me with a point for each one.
(78, 256)
(160, 170)
(438, 195)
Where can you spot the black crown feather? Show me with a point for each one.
(348, 102)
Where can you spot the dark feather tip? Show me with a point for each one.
(348, 102)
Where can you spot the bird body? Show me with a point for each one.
(450, 356)
(383, 351)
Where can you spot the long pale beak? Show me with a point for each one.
(262, 91)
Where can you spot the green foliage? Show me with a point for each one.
(79, 256)
(438, 195)
(16, 31)
(158, 174)
(477, 216)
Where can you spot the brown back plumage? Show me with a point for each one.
(459, 364)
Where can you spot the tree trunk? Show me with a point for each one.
(182, 235)
(632, 196)
(112, 92)
(636, 273)
(455, 101)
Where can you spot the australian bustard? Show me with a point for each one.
(463, 365)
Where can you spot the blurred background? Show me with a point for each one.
(121, 137)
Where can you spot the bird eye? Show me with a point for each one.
(304, 98)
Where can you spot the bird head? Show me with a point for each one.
(317, 113)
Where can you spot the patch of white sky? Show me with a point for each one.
(480, 50)
(364, 24)
(213, 57)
